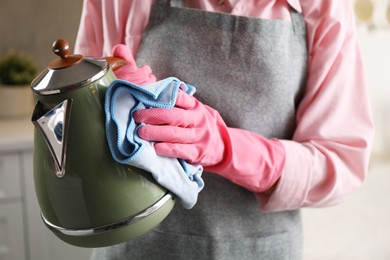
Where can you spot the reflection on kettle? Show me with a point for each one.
(53, 127)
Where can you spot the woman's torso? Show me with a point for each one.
(253, 72)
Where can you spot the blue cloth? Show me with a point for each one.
(121, 101)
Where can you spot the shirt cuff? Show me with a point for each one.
(294, 182)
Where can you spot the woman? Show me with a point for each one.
(293, 127)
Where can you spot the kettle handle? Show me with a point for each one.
(115, 62)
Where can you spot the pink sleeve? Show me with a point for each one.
(89, 40)
(328, 156)
(105, 24)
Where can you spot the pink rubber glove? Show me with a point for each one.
(130, 72)
(197, 133)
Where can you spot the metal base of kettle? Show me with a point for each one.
(116, 232)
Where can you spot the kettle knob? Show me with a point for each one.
(61, 48)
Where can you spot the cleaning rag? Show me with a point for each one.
(122, 99)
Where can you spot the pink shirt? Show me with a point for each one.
(328, 156)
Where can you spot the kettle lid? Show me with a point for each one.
(68, 72)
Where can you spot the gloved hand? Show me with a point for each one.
(130, 72)
(197, 133)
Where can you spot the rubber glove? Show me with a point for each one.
(130, 72)
(197, 133)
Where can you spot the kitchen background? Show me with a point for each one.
(357, 229)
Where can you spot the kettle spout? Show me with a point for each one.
(53, 126)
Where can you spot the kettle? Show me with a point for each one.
(86, 198)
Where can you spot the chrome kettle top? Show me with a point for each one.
(69, 72)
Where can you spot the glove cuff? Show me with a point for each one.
(250, 160)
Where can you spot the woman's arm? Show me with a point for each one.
(105, 24)
(328, 156)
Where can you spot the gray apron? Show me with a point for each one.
(253, 72)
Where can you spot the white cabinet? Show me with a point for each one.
(9, 177)
(23, 235)
(11, 231)
(11, 211)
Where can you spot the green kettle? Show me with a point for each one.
(86, 198)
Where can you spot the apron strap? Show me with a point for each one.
(299, 27)
(170, 3)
